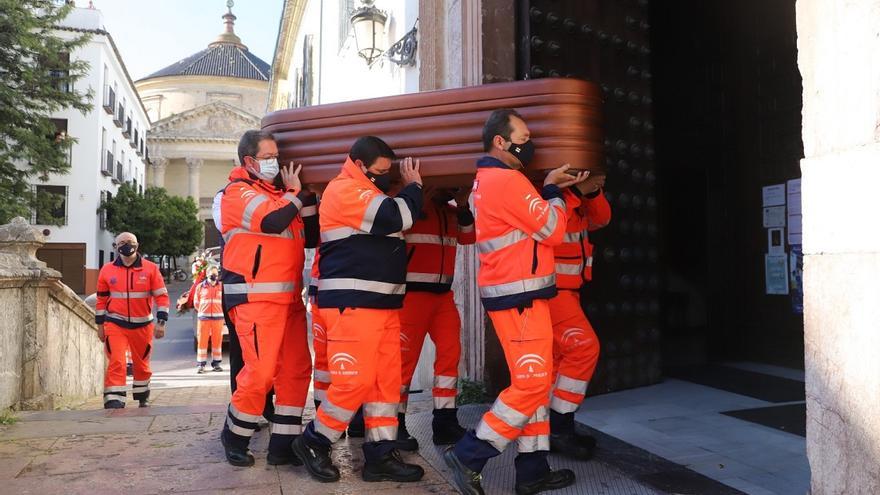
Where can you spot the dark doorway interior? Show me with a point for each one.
(727, 95)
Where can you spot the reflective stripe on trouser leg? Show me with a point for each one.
(293, 374)
(240, 423)
(568, 393)
(115, 345)
(445, 390)
(115, 393)
(287, 420)
(527, 339)
(575, 349)
(380, 419)
(501, 425)
(535, 434)
(331, 420)
(140, 342)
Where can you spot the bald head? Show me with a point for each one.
(126, 237)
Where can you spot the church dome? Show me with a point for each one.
(226, 56)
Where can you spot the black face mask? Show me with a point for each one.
(523, 152)
(383, 181)
(126, 250)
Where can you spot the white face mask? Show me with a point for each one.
(268, 169)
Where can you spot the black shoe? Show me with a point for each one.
(236, 456)
(201, 369)
(114, 404)
(405, 441)
(316, 459)
(447, 433)
(143, 403)
(467, 481)
(391, 467)
(217, 367)
(572, 446)
(588, 441)
(554, 480)
(283, 460)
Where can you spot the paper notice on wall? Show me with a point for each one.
(796, 279)
(774, 195)
(774, 216)
(794, 212)
(776, 273)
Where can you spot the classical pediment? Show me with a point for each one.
(213, 121)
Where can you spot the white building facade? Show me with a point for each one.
(316, 55)
(111, 149)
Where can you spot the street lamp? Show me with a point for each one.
(368, 23)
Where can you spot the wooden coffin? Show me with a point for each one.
(443, 129)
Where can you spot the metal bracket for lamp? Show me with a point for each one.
(403, 52)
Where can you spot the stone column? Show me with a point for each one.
(159, 165)
(195, 167)
(839, 60)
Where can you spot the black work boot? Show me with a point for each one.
(466, 480)
(553, 480)
(569, 444)
(447, 431)
(390, 467)
(281, 451)
(564, 440)
(237, 456)
(316, 459)
(405, 441)
(356, 428)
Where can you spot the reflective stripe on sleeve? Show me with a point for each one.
(250, 208)
(518, 287)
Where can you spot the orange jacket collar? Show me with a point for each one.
(241, 173)
(351, 169)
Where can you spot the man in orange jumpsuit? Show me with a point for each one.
(517, 228)
(362, 284)
(263, 254)
(429, 308)
(207, 300)
(575, 345)
(127, 288)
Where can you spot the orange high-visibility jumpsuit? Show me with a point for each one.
(124, 306)
(428, 307)
(209, 309)
(517, 228)
(362, 283)
(264, 232)
(321, 375)
(575, 344)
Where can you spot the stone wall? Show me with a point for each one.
(839, 59)
(49, 351)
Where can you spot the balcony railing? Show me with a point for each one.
(109, 100)
(107, 165)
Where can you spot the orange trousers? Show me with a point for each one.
(212, 329)
(275, 350)
(436, 315)
(321, 376)
(363, 349)
(520, 411)
(117, 341)
(575, 352)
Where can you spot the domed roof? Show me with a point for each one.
(226, 56)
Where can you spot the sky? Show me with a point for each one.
(153, 34)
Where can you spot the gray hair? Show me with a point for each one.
(249, 144)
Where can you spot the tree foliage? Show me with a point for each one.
(164, 225)
(38, 78)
